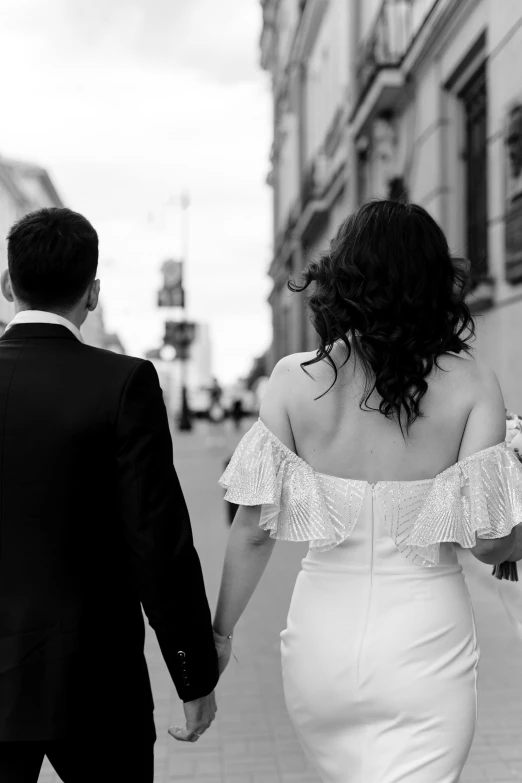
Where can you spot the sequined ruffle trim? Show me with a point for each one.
(295, 504)
(481, 495)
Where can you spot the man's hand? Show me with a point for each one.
(199, 714)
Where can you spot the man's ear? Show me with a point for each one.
(7, 288)
(94, 295)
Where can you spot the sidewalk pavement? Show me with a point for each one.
(496, 754)
(252, 740)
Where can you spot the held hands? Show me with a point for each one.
(199, 714)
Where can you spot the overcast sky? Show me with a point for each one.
(129, 102)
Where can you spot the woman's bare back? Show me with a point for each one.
(336, 437)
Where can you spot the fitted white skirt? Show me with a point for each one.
(380, 672)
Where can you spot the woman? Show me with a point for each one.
(386, 450)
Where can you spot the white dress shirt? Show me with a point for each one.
(43, 317)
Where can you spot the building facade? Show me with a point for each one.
(406, 99)
(24, 187)
(306, 48)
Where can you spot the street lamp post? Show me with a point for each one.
(185, 419)
(179, 334)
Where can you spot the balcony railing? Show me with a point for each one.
(387, 42)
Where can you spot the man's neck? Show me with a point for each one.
(71, 316)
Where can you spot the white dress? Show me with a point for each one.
(380, 653)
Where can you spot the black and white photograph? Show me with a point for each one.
(261, 391)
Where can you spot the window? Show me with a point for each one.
(474, 98)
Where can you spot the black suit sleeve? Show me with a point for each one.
(164, 563)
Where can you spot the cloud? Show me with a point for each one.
(204, 36)
(130, 102)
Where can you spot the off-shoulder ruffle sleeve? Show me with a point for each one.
(263, 471)
(481, 495)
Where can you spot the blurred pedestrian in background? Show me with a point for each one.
(237, 411)
(216, 413)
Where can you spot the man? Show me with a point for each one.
(92, 523)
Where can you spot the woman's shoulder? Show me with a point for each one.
(294, 360)
(467, 383)
(478, 387)
(462, 373)
(289, 372)
(468, 368)
(292, 366)
(284, 390)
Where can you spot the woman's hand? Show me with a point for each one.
(493, 551)
(224, 651)
(516, 555)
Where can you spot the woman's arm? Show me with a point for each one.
(486, 426)
(495, 551)
(248, 552)
(249, 547)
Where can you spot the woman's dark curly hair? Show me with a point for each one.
(389, 283)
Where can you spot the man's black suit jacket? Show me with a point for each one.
(93, 525)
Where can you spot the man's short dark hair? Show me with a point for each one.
(53, 257)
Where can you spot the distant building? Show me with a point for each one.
(113, 343)
(417, 100)
(258, 370)
(199, 373)
(25, 187)
(94, 333)
(200, 363)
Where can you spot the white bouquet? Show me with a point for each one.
(514, 433)
(507, 590)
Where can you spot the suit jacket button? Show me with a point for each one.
(181, 654)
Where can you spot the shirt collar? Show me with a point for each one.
(44, 317)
